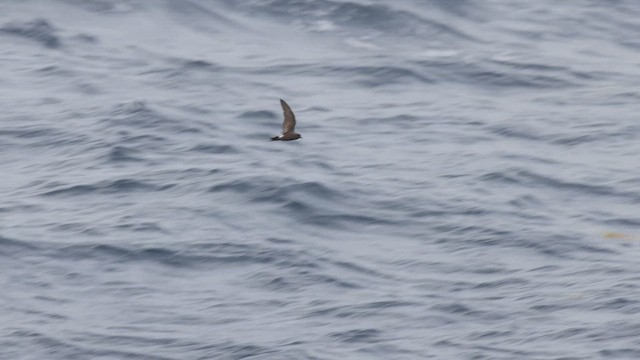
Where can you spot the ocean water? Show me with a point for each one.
(467, 185)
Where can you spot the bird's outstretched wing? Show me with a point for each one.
(289, 119)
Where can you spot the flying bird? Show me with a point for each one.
(288, 125)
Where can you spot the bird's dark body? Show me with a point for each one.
(286, 137)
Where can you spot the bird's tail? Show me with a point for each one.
(275, 138)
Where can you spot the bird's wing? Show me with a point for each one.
(289, 119)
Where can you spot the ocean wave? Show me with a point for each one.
(45, 344)
(208, 255)
(272, 189)
(9, 247)
(215, 149)
(108, 6)
(488, 72)
(310, 203)
(138, 115)
(378, 19)
(38, 30)
(119, 186)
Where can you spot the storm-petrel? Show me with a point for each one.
(288, 125)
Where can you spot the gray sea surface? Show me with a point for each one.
(467, 185)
